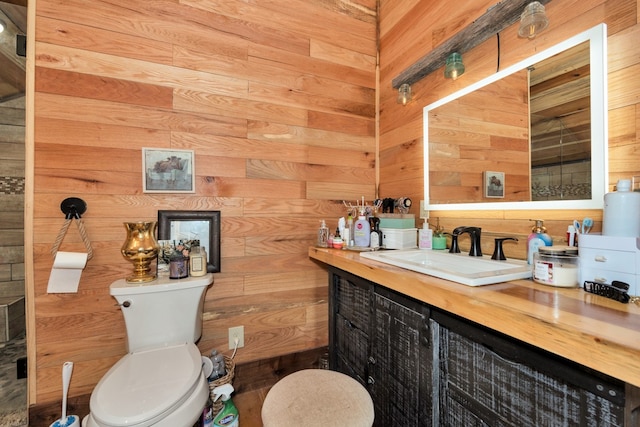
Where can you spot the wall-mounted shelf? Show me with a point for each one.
(493, 21)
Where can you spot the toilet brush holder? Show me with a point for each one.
(230, 366)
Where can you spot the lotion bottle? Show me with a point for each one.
(362, 231)
(537, 238)
(425, 236)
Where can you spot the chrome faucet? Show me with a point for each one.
(474, 234)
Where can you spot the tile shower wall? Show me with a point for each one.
(12, 131)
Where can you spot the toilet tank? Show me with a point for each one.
(161, 313)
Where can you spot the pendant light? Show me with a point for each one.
(454, 67)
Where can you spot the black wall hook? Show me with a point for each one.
(73, 207)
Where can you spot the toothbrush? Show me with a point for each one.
(587, 223)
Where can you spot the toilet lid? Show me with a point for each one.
(145, 386)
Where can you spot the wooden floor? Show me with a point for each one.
(249, 405)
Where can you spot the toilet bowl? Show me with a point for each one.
(160, 381)
(160, 387)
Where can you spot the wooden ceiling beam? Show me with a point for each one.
(493, 21)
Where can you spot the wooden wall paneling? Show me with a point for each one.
(280, 113)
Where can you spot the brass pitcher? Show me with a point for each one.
(140, 248)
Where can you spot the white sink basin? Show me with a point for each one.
(460, 268)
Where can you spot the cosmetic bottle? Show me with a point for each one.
(425, 236)
(323, 235)
(375, 241)
(348, 237)
(362, 231)
(537, 238)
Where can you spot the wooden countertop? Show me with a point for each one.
(594, 331)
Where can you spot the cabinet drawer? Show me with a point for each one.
(603, 259)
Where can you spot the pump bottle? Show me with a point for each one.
(362, 231)
(537, 238)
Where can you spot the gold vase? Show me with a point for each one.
(140, 248)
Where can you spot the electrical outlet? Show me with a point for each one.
(236, 332)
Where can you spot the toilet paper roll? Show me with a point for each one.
(66, 272)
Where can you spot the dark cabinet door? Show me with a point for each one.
(349, 324)
(487, 378)
(400, 362)
(383, 340)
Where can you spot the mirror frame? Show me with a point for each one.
(597, 37)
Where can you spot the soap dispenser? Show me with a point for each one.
(537, 238)
(425, 236)
(362, 230)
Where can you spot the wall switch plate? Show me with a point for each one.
(236, 332)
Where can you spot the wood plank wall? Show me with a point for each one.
(278, 101)
(410, 29)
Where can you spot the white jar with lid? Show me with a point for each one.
(557, 266)
(621, 215)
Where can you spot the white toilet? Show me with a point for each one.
(160, 381)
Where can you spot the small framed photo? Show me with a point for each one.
(493, 184)
(181, 228)
(168, 171)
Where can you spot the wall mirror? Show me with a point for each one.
(193, 225)
(532, 136)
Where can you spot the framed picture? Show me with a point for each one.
(187, 226)
(168, 171)
(493, 184)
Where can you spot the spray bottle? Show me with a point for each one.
(228, 415)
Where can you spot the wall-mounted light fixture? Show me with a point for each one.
(2, 25)
(454, 67)
(533, 20)
(497, 18)
(404, 94)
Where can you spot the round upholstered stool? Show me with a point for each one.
(317, 397)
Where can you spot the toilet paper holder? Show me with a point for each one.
(73, 208)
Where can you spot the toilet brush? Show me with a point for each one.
(71, 420)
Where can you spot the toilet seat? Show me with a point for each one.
(144, 387)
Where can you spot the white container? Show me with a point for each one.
(622, 211)
(393, 238)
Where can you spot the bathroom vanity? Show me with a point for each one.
(434, 352)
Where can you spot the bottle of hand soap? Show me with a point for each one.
(362, 230)
(425, 236)
(537, 238)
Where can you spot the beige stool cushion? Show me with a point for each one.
(317, 397)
